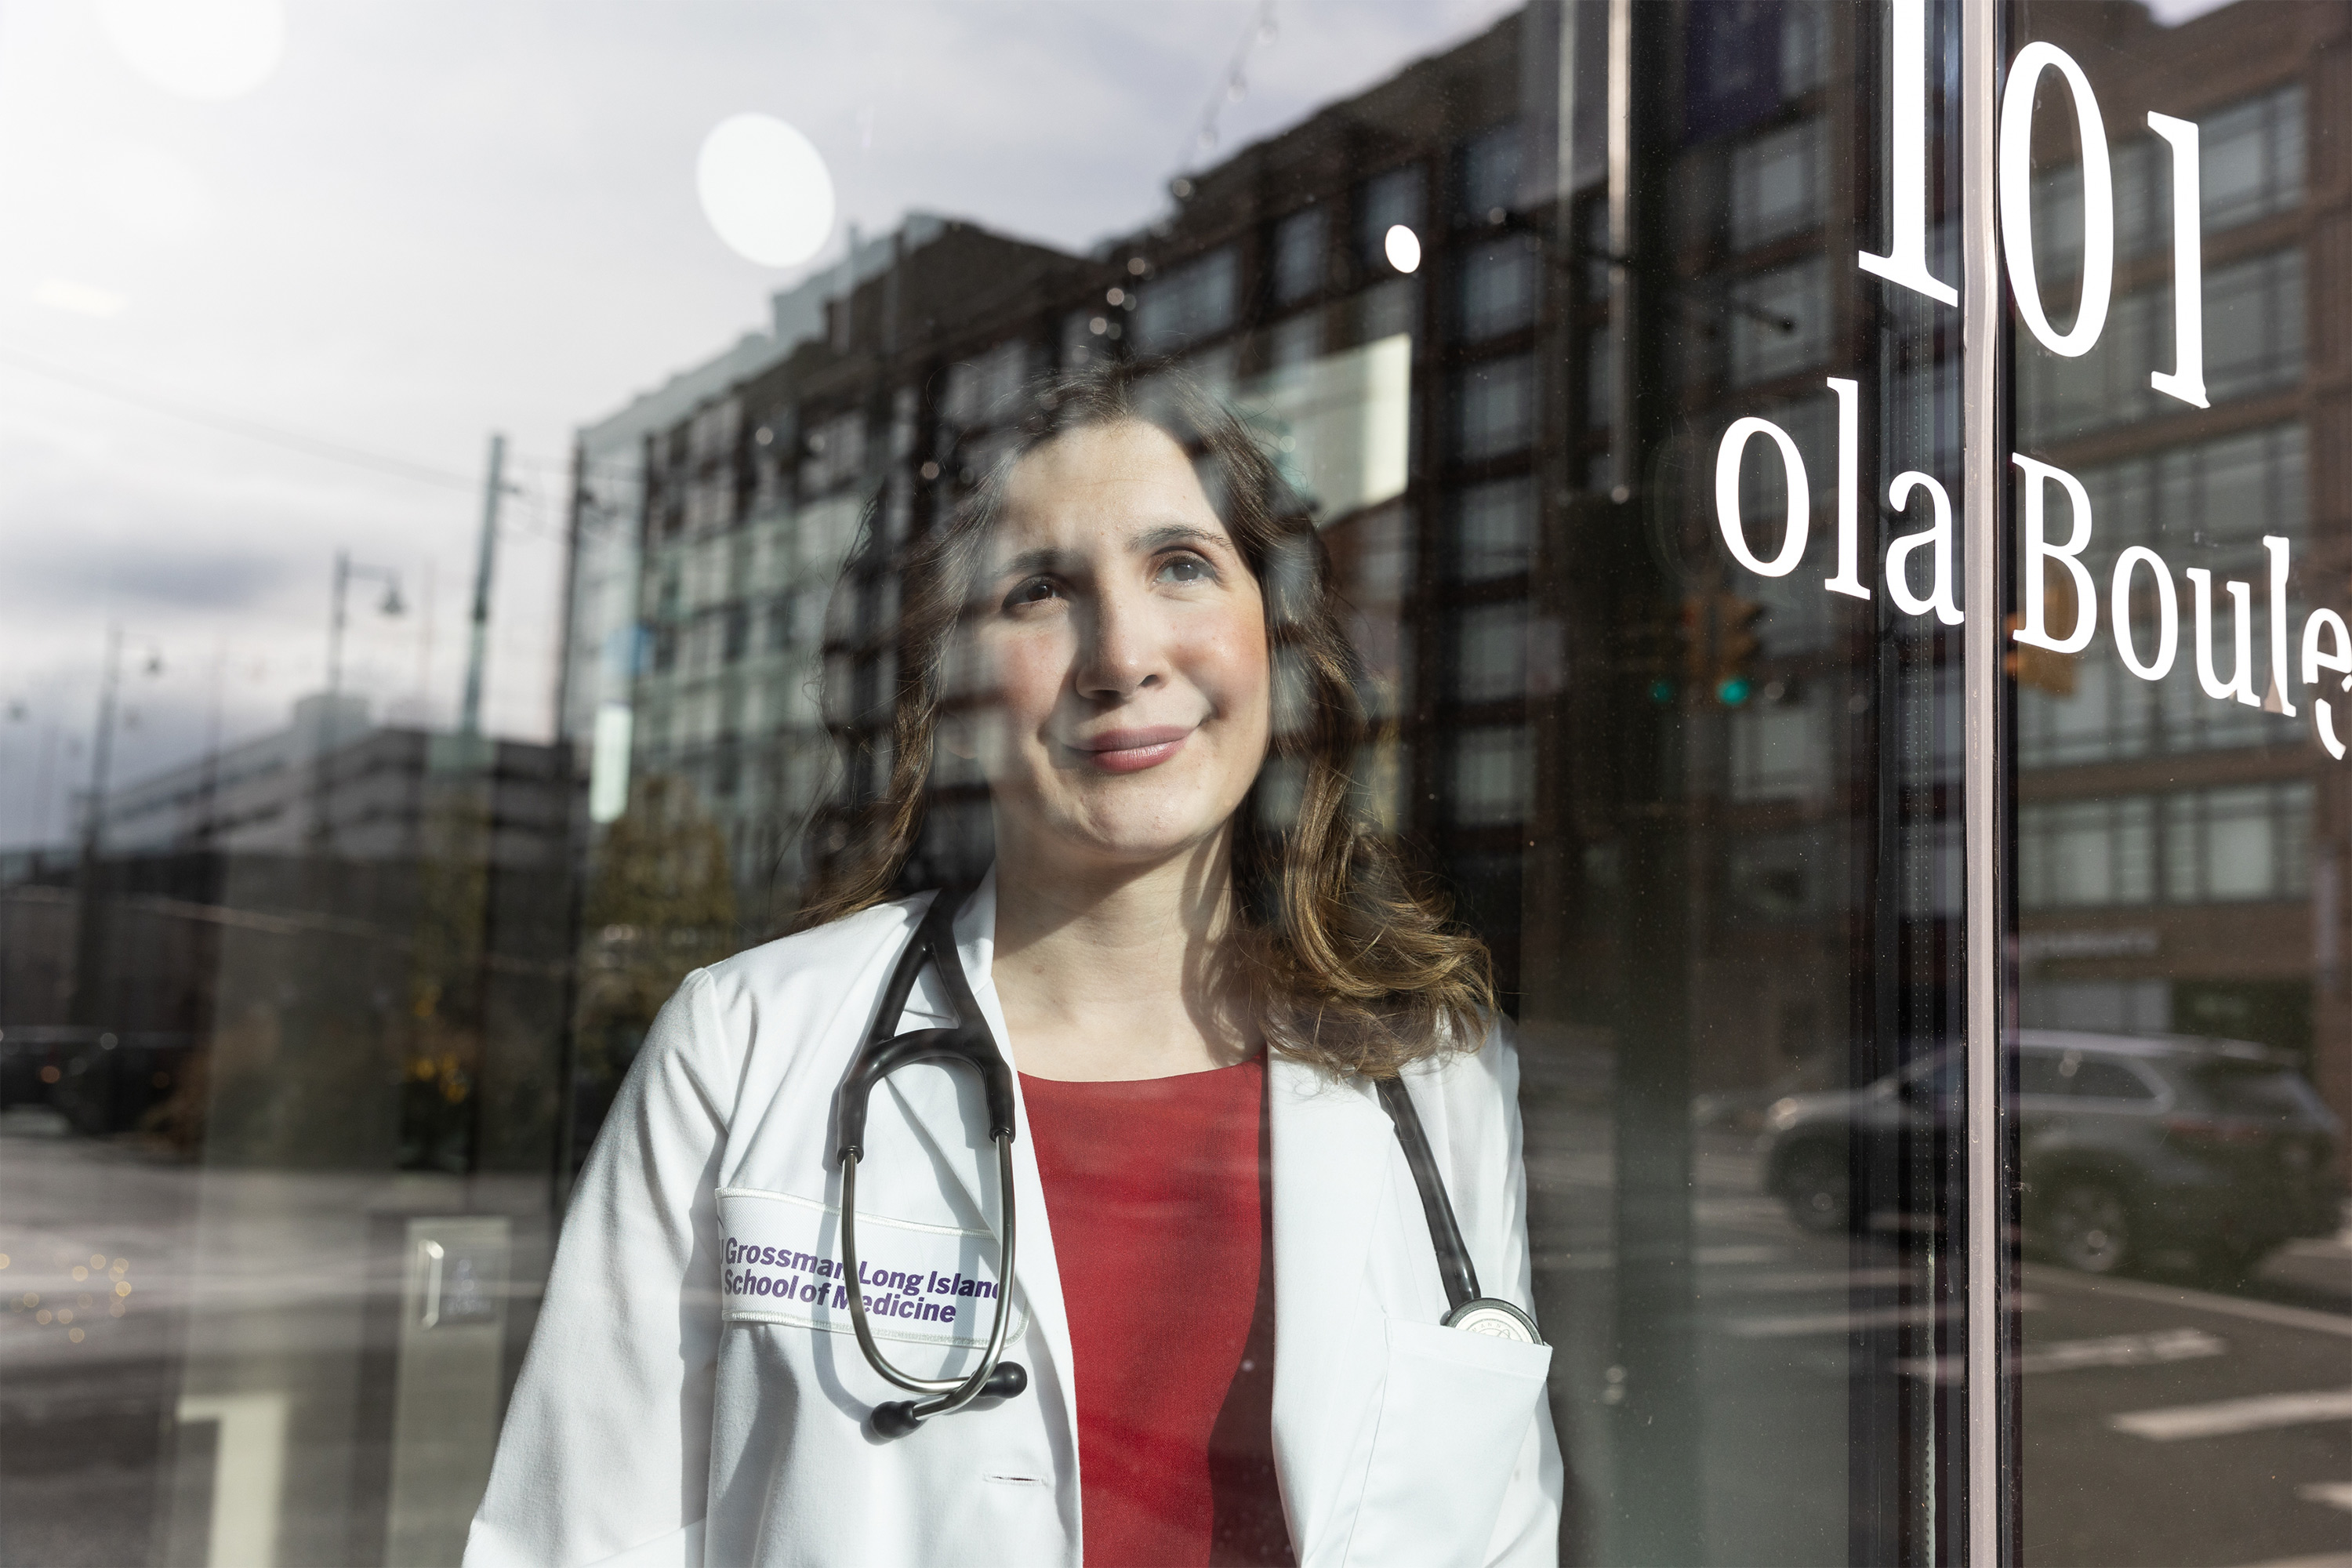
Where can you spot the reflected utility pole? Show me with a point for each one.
(89, 936)
(470, 719)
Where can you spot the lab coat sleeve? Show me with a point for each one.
(1527, 1531)
(606, 1449)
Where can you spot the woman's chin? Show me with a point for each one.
(1121, 837)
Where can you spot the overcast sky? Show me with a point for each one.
(433, 220)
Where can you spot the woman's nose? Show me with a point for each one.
(1122, 651)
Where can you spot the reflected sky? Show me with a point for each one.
(429, 221)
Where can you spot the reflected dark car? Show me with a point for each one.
(2132, 1147)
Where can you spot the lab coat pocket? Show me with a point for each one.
(928, 1285)
(1454, 1418)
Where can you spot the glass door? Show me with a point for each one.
(2182, 1059)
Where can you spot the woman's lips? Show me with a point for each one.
(1132, 751)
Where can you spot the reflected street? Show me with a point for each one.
(2225, 1417)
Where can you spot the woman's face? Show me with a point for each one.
(1123, 640)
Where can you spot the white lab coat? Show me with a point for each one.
(663, 1419)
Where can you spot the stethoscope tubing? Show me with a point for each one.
(949, 1393)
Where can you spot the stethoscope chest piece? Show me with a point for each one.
(1495, 1320)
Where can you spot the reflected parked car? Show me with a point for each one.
(2131, 1147)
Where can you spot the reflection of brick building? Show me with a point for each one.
(1268, 282)
(2181, 859)
(1473, 567)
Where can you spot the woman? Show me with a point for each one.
(1200, 964)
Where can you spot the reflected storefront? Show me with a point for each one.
(1843, 510)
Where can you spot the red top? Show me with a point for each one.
(1156, 1189)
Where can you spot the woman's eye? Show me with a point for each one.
(1037, 591)
(1188, 569)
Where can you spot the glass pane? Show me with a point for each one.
(369, 784)
(2180, 833)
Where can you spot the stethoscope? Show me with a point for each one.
(970, 1042)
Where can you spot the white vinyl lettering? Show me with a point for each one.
(1727, 497)
(2241, 684)
(1848, 579)
(2168, 613)
(2282, 672)
(2186, 379)
(1937, 538)
(2040, 552)
(2338, 663)
(2016, 157)
(1906, 261)
(2041, 560)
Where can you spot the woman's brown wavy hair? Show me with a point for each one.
(1354, 958)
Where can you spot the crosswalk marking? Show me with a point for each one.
(2226, 1417)
(2335, 1494)
(1795, 1280)
(1795, 1325)
(2071, 1355)
(1705, 1257)
(2181, 1295)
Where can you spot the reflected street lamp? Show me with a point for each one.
(391, 604)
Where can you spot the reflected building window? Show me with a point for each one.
(1492, 777)
(2087, 853)
(1299, 241)
(1495, 408)
(1385, 310)
(1494, 529)
(2253, 325)
(2107, 1006)
(1780, 751)
(835, 455)
(1488, 177)
(1296, 340)
(2251, 166)
(1387, 200)
(2253, 158)
(1804, 49)
(1779, 184)
(1490, 654)
(2223, 494)
(1188, 303)
(1499, 284)
(2245, 843)
(2253, 343)
(983, 390)
(1600, 378)
(2108, 716)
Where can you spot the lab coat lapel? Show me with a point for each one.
(1329, 1145)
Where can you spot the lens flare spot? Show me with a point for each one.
(1403, 247)
(765, 189)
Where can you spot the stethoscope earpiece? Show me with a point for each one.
(901, 1417)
